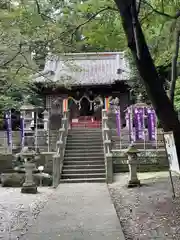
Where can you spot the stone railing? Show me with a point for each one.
(107, 147)
(58, 158)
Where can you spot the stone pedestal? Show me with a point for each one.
(29, 186)
(132, 164)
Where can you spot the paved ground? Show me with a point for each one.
(19, 211)
(148, 212)
(77, 212)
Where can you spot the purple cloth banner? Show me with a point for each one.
(118, 122)
(8, 127)
(131, 130)
(22, 130)
(151, 124)
(139, 123)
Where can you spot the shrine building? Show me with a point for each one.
(86, 80)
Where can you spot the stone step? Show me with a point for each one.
(84, 130)
(83, 180)
(84, 150)
(86, 125)
(87, 166)
(84, 158)
(84, 143)
(83, 175)
(84, 171)
(86, 146)
(85, 137)
(83, 163)
(79, 132)
(84, 154)
(99, 131)
(85, 140)
(92, 143)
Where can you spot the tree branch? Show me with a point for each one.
(43, 16)
(146, 16)
(91, 18)
(94, 15)
(38, 7)
(134, 15)
(177, 15)
(13, 58)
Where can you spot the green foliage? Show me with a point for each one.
(177, 95)
(40, 27)
(25, 28)
(160, 29)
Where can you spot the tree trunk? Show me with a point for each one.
(147, 70)
(174, 68)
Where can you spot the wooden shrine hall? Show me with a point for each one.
(86, 80)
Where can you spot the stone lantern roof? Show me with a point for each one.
(132, 149)
(27, 107)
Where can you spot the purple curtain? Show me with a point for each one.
(151, 124)
(131, 130)
(22, 130)
(139, 123)
(8, 127)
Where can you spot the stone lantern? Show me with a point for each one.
(46, 119)
(132, 164)
(29, 157)
(27, 113)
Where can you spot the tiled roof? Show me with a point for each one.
(85, 69)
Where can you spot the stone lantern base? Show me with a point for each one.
(135, 183)
(29, 189)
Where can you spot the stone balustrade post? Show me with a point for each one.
(107, 144)
(104, 113)
(106, 133)
(56, 170)
(63, 121)
(61, 155)
(62, 132)
(104, 122)
(109, 168)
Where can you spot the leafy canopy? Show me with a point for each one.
(36, 27)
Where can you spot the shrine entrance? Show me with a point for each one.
(86, 109)
(85, 112)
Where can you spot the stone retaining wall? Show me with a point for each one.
(149, 161)
(6, 162)
(45, 160)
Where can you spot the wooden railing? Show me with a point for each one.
(107, 147)
(58, 157)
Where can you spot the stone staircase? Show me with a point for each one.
(84, 156)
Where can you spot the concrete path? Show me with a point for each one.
(77, 212)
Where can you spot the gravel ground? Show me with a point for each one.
(18, 211)
(148, 212)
